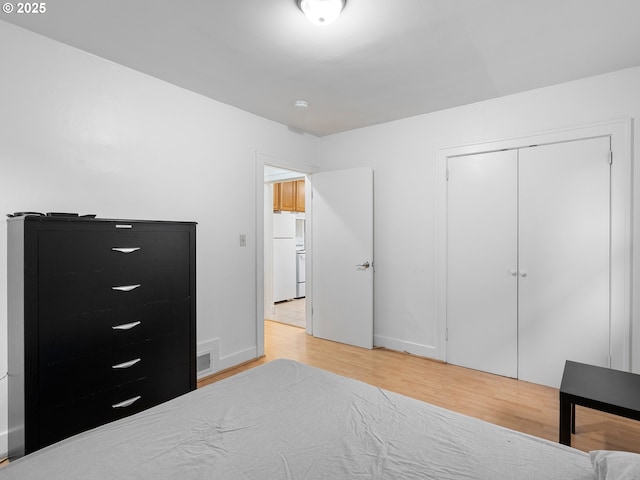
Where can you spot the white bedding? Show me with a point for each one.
(286, 420)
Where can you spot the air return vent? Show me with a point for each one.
(204, 362)
(208, 357)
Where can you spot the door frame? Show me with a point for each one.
(621, 225)
(262, 159)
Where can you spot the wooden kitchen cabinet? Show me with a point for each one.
(289, 196)
(299, 207)
(276, 196)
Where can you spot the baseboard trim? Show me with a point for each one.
(237, 358)
(404, 346)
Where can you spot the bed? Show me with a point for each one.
(286, 420)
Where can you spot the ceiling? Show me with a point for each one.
(380, 61)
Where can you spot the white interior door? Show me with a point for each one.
(342, 247)
(482, 262)
(564, 257)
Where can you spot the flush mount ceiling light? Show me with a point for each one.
(321, 12)
(300, 104)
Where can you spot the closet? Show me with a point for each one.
(528, 259)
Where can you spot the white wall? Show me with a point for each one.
(403, 155)
(81, 134)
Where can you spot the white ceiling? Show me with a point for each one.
(382, 60)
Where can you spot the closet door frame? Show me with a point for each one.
(621, 225)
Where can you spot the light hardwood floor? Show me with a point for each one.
(514, 404)
(291, 312)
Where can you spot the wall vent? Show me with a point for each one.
(204, 362)
(208, 358)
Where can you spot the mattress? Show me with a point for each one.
(286, 420)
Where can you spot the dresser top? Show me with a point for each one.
(75, 218)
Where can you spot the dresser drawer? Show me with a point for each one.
(89, 412)
(83, 377)
(65, 337)
(83, 293)
(90, 251)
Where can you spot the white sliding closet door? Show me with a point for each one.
(482, 262)
(564, 214)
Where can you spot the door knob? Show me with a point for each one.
(523, 273)
(364, 265)
(513, 272)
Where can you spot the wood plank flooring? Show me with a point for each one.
(291, 312)
(522, 406)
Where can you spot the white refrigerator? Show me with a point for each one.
(284, 256)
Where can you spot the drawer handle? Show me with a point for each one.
(127, 403)
(126, 326)
(126, 288)
(123, 226)
(128, 364)
(125, 249)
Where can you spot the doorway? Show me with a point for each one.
(340, 311)
(285, 242)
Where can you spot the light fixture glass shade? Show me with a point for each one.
(321, 12)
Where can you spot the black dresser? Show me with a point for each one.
(101, 324)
